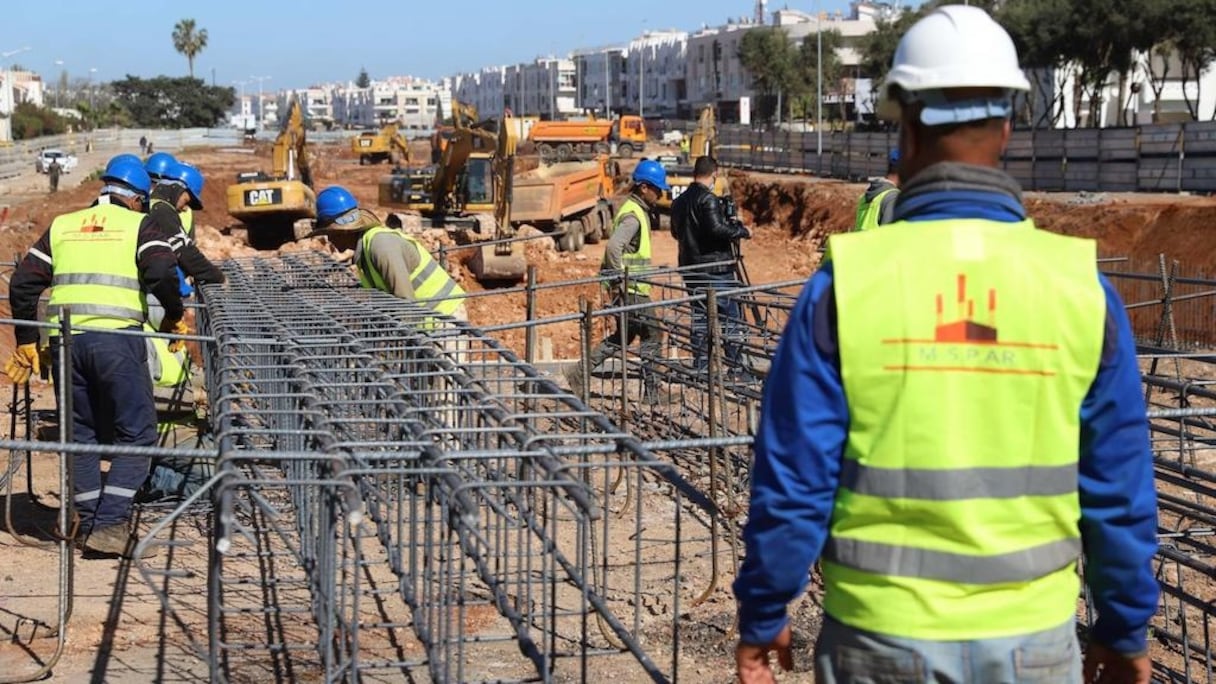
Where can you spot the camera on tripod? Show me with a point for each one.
(730, 212)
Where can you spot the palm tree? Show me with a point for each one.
(189, 42)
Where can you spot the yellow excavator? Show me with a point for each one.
(679, 174)
(385, 145)
(270, 205)
(469, 193)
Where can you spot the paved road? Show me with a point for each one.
(31, 183)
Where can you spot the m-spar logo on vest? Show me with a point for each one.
(963, 343)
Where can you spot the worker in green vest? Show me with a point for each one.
(953, 417)
(101, 263)
(877, 204)
(388, 259)
(627, 259)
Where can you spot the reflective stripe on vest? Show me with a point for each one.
(433, 287)
(956, 517)
(869, 212)
(637, 264)
(95, 273)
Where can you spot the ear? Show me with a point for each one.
(1006, 134)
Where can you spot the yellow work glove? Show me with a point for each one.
(178, 328)
(23, 363)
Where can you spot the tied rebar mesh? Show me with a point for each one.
(398, 495)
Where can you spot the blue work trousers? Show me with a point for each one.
(844, 655)
(111, 404)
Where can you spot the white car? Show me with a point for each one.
(67, 161)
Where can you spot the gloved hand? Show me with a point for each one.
(169, 192)
(741, 232)
(23, 363)
(177, 327)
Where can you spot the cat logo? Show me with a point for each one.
(263, 197)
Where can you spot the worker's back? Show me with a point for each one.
(964, 364)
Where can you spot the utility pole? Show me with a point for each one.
(818, 80)
(58, 84)
(607, 84)
(92, 70)
(261, 120)
(641, 79)
(6, 131)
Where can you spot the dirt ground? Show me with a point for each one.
(116, 640)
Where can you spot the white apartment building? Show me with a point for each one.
(411, 102)
(713, 71)
(1055, 101)
(656, 59)
(599, 73)
(17, 87)
(544, 88)
(317, 103)
(481, 89)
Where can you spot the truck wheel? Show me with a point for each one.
(564, 152)
(546, 152)
(625, 150)
(606, 225)
(569, 241)
(363, 160)
(594, 226)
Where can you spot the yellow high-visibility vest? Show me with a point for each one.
(637, 263)
(433, 287)
(94, 270)
(964, 366)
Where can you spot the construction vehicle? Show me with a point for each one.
(385, 145)
(679, 172)
(468, 194)
(270, 205)
(570, 200)
(566, 140)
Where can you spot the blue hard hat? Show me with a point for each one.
(651, 172)
(189, 176)
(129, 173)
(332, 203)
(893, 156)
(158, 164)
(127, 156)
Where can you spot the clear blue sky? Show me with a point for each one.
(301, 42)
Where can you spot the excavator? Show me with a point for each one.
(679, 176)
(469, 193)
(270, 205)
(385, 145)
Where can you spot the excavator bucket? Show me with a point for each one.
(504, 263)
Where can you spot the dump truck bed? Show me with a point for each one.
(549, 194)
(570, 131)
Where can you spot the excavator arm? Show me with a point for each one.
(290, 158)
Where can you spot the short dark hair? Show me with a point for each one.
(704, 166)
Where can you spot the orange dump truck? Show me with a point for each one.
(566, 140)
(569, 199)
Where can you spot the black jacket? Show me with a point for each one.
(189, 257)
(701, 230)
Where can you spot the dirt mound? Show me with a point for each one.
(1139, 231)
(804, 210)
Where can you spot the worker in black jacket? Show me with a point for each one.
(179, 192)
(707, 245)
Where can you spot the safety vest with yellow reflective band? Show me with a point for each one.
(964, 368)
(187, 215)
(94, 271)
(433, 287)
(637, 263)
(869, 212)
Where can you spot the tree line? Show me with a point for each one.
(1098, 43)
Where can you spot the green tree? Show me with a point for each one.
(30, 121)
(173, 102)
(363, 80)
(807, 71)
(770, 59)
(189, 40)
(1195, 44)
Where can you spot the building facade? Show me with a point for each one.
(655, 78)
(599, 73)
(544, 87)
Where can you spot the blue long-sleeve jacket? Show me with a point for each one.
(805, 422)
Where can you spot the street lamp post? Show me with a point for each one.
(58, 84)
(8, 82)
(92, 70)
(818, 81)
(260, 118)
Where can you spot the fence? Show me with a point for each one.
(1154, 158)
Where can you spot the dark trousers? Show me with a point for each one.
(639, 325)
(111, 404)
(730, 321)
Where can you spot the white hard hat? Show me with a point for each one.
(955, 46)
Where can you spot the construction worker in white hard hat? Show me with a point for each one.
(952, 418)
